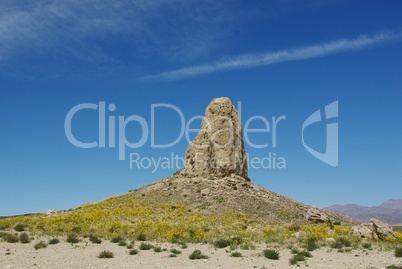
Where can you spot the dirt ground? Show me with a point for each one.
(84, 255)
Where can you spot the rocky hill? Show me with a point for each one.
(389, 211)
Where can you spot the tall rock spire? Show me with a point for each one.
(218, 149)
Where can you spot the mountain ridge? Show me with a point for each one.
(390, 211)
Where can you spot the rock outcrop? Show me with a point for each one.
(382, 229)
(365, 230)
(374, 230)
(316, 215)
(218, 149)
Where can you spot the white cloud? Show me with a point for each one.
(252, 60)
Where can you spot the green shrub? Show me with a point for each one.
(24, 238)
(117, 239)
(340, 243)
(19, 228)
(40, 245)
(157, 249)
(297, 258)
(175, 251)
(122, 243)
(183, 245)
(133, 252)
(54, 241)
(236, 255)
(271, 254)
(95, 239)
(105, 255)
(398, 252)
(222, 243)
(145, 246)
(367, 246)
(142, 237)
(172, 256)
(72, 238)
(12, 238)
(311, 244)
(129, 246)
(197, 255)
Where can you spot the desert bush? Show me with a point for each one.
(40, 245)
(222, 243)
(54, 241)
(311, 244)
(197, 255)
(340, 243)
(271, 254)
(236, 255)
(19, 228)
(398, 252)
(247, 246)
(297, 258)
(24, 238)
(106, 255)
(172, 256)
(183, 245)
(11, 238)
(122, 243)
(142, 237)
(133, 252)
(117, 239)
(157, 249)
(95, 239)
(175, 251)
(72, 238)
(129, 246)
(367, 246)
(145, 246)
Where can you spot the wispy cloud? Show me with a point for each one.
(253, 60)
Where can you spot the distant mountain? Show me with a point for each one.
(389, 212)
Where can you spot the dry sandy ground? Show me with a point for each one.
(84, 255)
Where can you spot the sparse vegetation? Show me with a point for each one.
(54, 241)
(157, 249)
(72, 238)
(94, 239)
(236, 255)
(133, 252)
(122, 243)
(11, 238)
(398, 252)
(40, 245)
(197, 255)
(19, 228)
(271, 254)
(222, 243)
(297, 258)
(24, 238)
(175, 251)
(311, 244)
(142, 237)
(145, 246)
(367, 246)
(117, 239)
(106, 255)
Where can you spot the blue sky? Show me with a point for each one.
(285, 58)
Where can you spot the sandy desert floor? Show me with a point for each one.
(84, 255)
